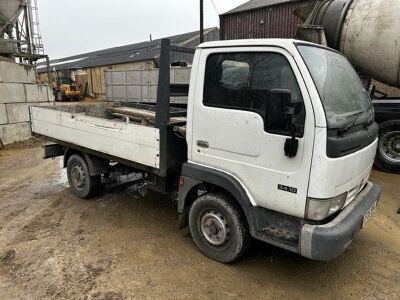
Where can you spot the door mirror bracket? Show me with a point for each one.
(371, 91)
(292, 144)
(290, 112)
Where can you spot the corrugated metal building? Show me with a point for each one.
(140, 56)
(261, 19)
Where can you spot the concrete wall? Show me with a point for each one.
(95, 76)
(141, 85)
(18, 91)
(96, 80)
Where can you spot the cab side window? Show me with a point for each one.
(247, 81)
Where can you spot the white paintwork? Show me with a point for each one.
(286, 44)
(339, 175)
(127, 141)
(239, 146)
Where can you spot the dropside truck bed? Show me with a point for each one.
(135, 137)
(106, 130)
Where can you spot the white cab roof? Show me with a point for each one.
(288, 44)
(250, 42)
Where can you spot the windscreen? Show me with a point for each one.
(339, 86)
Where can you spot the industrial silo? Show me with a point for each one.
(9, 13)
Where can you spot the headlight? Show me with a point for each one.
(319, 209)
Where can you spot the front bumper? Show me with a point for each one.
(326, 242)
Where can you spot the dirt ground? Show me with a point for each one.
(53, 245)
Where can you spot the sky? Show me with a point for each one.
(78, 26)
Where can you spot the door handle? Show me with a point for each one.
(202, 144)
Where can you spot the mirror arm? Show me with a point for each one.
(371, 91)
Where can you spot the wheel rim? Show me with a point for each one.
(389, 146)
(78, 176)
(214, 228)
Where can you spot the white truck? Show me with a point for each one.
(277, 144)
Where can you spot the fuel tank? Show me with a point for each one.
(366, 31)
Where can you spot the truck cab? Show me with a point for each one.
(286, 129)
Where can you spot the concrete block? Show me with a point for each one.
(18, 112)
(37, 92)
(50, 95)
(12, 133)
(12, 92)
(3, 114)
(13, 72)
(43, 104)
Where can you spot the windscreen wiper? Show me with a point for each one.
(353, 121)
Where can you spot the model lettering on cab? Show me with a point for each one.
(287, 189)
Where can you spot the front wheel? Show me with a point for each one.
(388, 156)
(82, 184)
(218, 228)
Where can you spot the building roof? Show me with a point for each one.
(124, 54)
(254, 4)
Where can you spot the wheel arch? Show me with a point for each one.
(96, 165)
(195, 176)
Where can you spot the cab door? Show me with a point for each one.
(240, 124)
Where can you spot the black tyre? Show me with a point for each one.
(218, 228)
(388, 156)
(59, 96)
(82, 184)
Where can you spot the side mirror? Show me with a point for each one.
(281, 111)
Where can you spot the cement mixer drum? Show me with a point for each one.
(366, 31)
(370, 38)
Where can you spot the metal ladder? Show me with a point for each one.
(37, 42)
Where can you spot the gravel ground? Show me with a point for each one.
(55, 246)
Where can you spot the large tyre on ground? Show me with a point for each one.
(218, 227)
(388, 156)
(59, 96)
(82, 184)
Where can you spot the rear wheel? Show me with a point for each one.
(59, 96)
(388, 156)
(218, 228)
(82, 184)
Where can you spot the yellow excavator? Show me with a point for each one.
(64, 88)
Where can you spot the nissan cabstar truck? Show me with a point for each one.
(276, 143)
